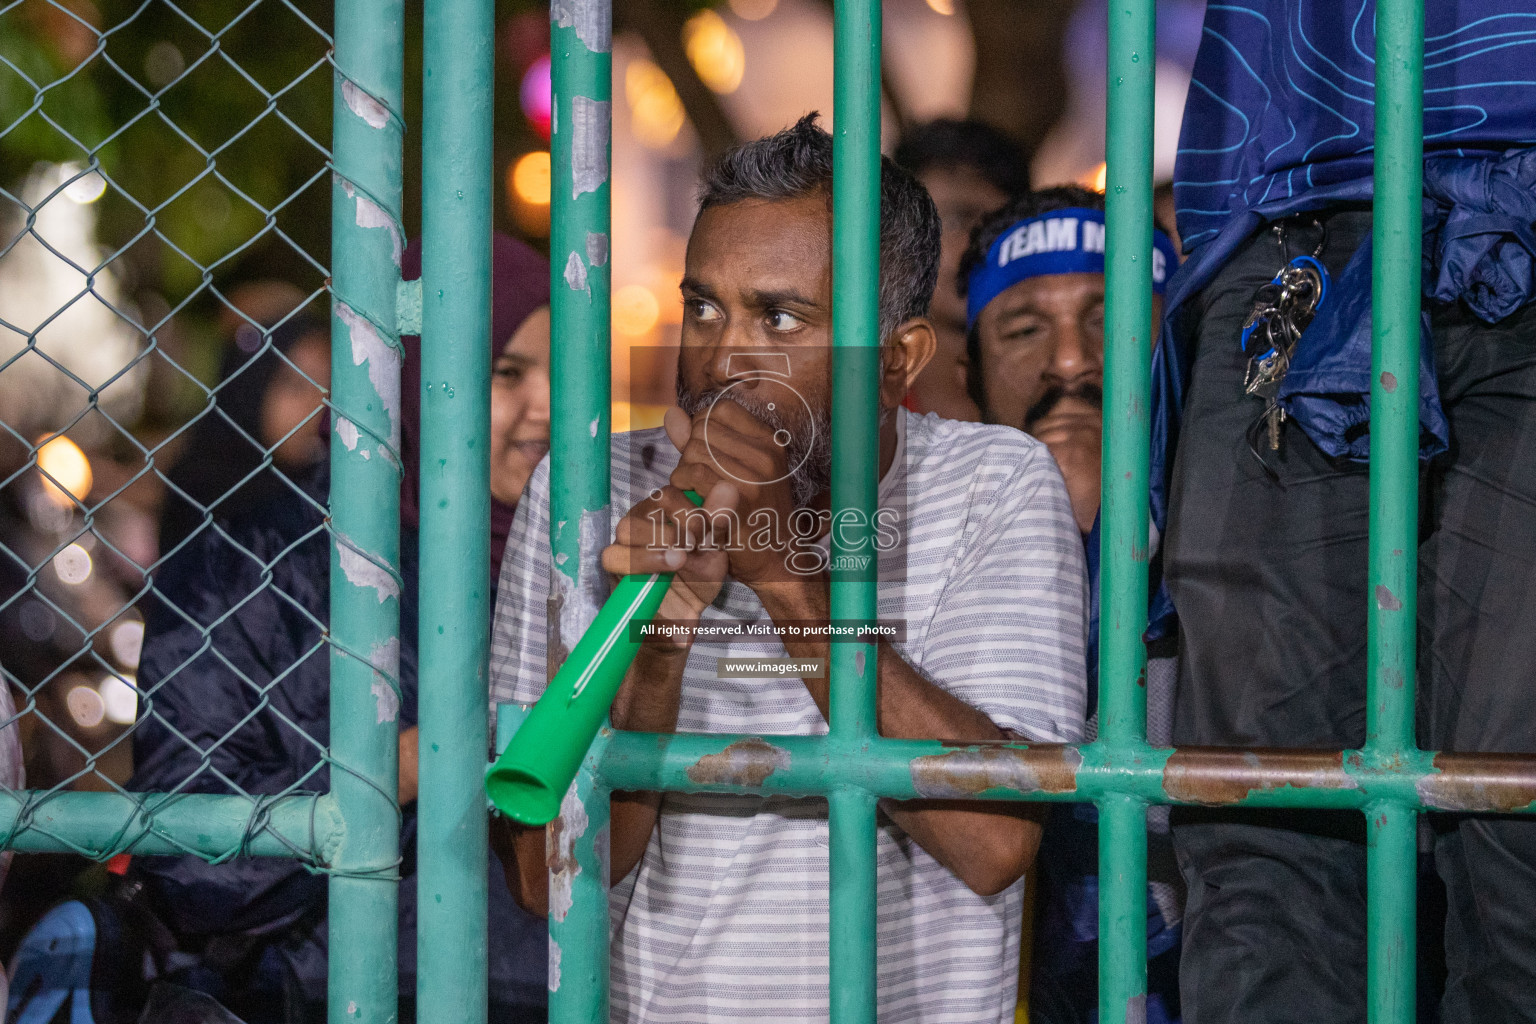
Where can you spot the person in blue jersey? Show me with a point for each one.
(1261, 442)
(1033, 279)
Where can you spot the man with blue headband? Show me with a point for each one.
(1033, 278)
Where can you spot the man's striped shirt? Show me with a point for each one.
(725, 919)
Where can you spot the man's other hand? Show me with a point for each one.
(1073, 431)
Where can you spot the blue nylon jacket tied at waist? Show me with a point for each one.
(1479, 248)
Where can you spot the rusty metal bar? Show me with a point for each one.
(1207, 777)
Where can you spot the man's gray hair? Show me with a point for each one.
(797, 162)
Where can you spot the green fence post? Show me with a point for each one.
(365, 509)
(578, 902)
(454, 621)
(1394, 501)
(1127, 375)
(855, 484)
(581, 43)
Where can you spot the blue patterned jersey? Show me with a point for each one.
(1282, 99)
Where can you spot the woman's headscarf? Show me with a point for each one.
(225, 446)
(519, 285)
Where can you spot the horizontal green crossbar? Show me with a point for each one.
(926, 769)
(103, 825)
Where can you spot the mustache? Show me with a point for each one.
(1086, 391)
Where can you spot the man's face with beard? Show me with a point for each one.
(757, 326)
(1041, 346)
(1041, 367)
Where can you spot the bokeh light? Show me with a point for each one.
(536, 96)
(715, 51)
(83, 188)
(86, 706)
(120, 698)
(943, 6)
(63, 461)
(72, 565)
(127, 642)
(655, 112)
(1098, 179)
(528, 185)
(530, 178)
(635, 310)
(753, 10)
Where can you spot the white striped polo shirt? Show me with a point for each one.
(725, 919)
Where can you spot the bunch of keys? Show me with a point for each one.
(1282, 309)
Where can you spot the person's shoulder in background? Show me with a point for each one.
(941, 454)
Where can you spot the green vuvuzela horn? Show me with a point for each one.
(532, 775)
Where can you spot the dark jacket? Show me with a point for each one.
(237, 677)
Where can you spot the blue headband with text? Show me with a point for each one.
(1068, 241)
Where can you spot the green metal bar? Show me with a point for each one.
(929, 769)
(578, 904)
(105, 824)
(1395, 374)
(1123, 509)
(1392, 860)
(1127, 373)
(1392, 872)
(365, 509)
(852, 872)
(454, 618)
(853, 668)
(578, 941)
(855, 339)
(1123, 907)
(582, 72)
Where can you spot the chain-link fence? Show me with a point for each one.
(169, 634)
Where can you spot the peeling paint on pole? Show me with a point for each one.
(369, 215)
(560, 852)
(362, 571)
(576, 274)
(597, 248)
(581, 597)
(374, 113)
(383, 362)
(591, 125)
(385, 659)
(592, 20)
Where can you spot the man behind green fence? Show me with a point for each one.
(720, 901)
(1033, 279)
